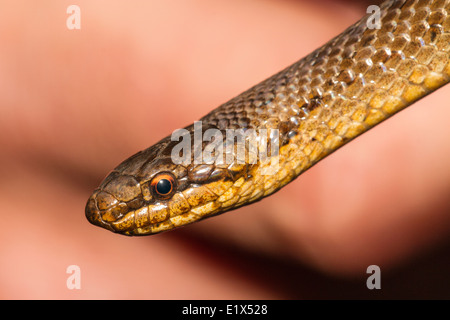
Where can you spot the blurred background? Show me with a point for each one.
(75, 103)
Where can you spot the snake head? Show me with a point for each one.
(134, 198)
(151, 192)
(148, 193)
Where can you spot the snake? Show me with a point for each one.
(395, 55)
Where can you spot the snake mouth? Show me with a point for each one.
(146, 220)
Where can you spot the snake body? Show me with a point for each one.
(355, 81)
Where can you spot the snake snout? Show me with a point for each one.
(93, 214)
(115, 198)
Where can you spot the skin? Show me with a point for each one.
(76, 103)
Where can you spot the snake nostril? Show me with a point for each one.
(105, 200)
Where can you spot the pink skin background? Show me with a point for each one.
(75, 103)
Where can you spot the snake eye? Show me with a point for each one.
(163, 185)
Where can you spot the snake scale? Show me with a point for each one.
(352, 83)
